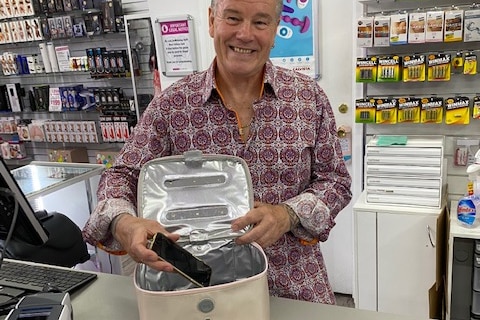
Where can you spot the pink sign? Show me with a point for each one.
(174, 27)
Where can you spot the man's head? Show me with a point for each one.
(244, 33)
(278, 9)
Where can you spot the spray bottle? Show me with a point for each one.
(468, 209)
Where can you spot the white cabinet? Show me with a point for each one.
(405, 262)
(395, 257)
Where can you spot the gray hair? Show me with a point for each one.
(278, 7)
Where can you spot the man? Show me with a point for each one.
(279, 121)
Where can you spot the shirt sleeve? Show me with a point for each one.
(329, 189)
(117, 190)
(97, 229)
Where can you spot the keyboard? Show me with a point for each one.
(37, 278)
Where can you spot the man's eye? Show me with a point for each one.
(262, 24)
(232, 20)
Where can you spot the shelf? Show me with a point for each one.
(15, 163)
(379, 6)
(64, 74)
(64, 41)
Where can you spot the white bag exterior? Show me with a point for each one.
(197, 196)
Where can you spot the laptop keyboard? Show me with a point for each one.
(35, 278)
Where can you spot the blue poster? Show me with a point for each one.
(295, 43)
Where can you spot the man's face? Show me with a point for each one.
(243, 32)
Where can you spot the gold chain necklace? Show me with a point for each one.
(241, 129)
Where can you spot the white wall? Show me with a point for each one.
(335, 22)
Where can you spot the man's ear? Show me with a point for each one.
(211, 18)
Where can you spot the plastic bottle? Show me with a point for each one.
(473, 171)
(468, 209)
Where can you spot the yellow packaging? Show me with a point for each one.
(431, 110)
(388, 69)
(365, 110)
(414, 68)
(457, 110)
(470, 64)
(408, 110)
(366, 70)
(476, 107)
(439, 67)
(386, 111)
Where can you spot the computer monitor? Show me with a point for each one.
(28, 228)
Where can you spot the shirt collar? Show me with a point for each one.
(268, 78)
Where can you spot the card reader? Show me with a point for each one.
(43, 306)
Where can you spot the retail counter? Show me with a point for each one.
(112, 297)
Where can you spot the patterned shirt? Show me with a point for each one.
(292, 152)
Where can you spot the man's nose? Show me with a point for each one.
(245, 30)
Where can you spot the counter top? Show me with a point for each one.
(113, 297)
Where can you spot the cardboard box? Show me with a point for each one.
(78, 155)
(436, 294)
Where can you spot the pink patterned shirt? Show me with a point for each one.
(292, 152)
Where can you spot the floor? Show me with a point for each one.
(344, 300)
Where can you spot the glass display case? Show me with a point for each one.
(41, 178)
(68, 188)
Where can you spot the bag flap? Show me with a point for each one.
(195, 195)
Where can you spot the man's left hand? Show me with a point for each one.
(269, 223)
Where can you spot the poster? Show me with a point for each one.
(177, 45)
(296, 43)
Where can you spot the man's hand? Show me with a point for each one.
(269, 222)
(133, 234)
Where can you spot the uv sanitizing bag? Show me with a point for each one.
(197, 196)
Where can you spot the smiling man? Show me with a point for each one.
(278, 120)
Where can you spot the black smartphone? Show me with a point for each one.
(185, 263)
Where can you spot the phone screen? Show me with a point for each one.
(185, 263)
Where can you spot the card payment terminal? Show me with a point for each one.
(43, 306)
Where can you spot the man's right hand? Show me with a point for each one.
(133, 234)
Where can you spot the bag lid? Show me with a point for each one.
(196, 195)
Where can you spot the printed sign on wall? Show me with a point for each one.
(177, 46)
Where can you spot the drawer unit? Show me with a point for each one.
(411, 174)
